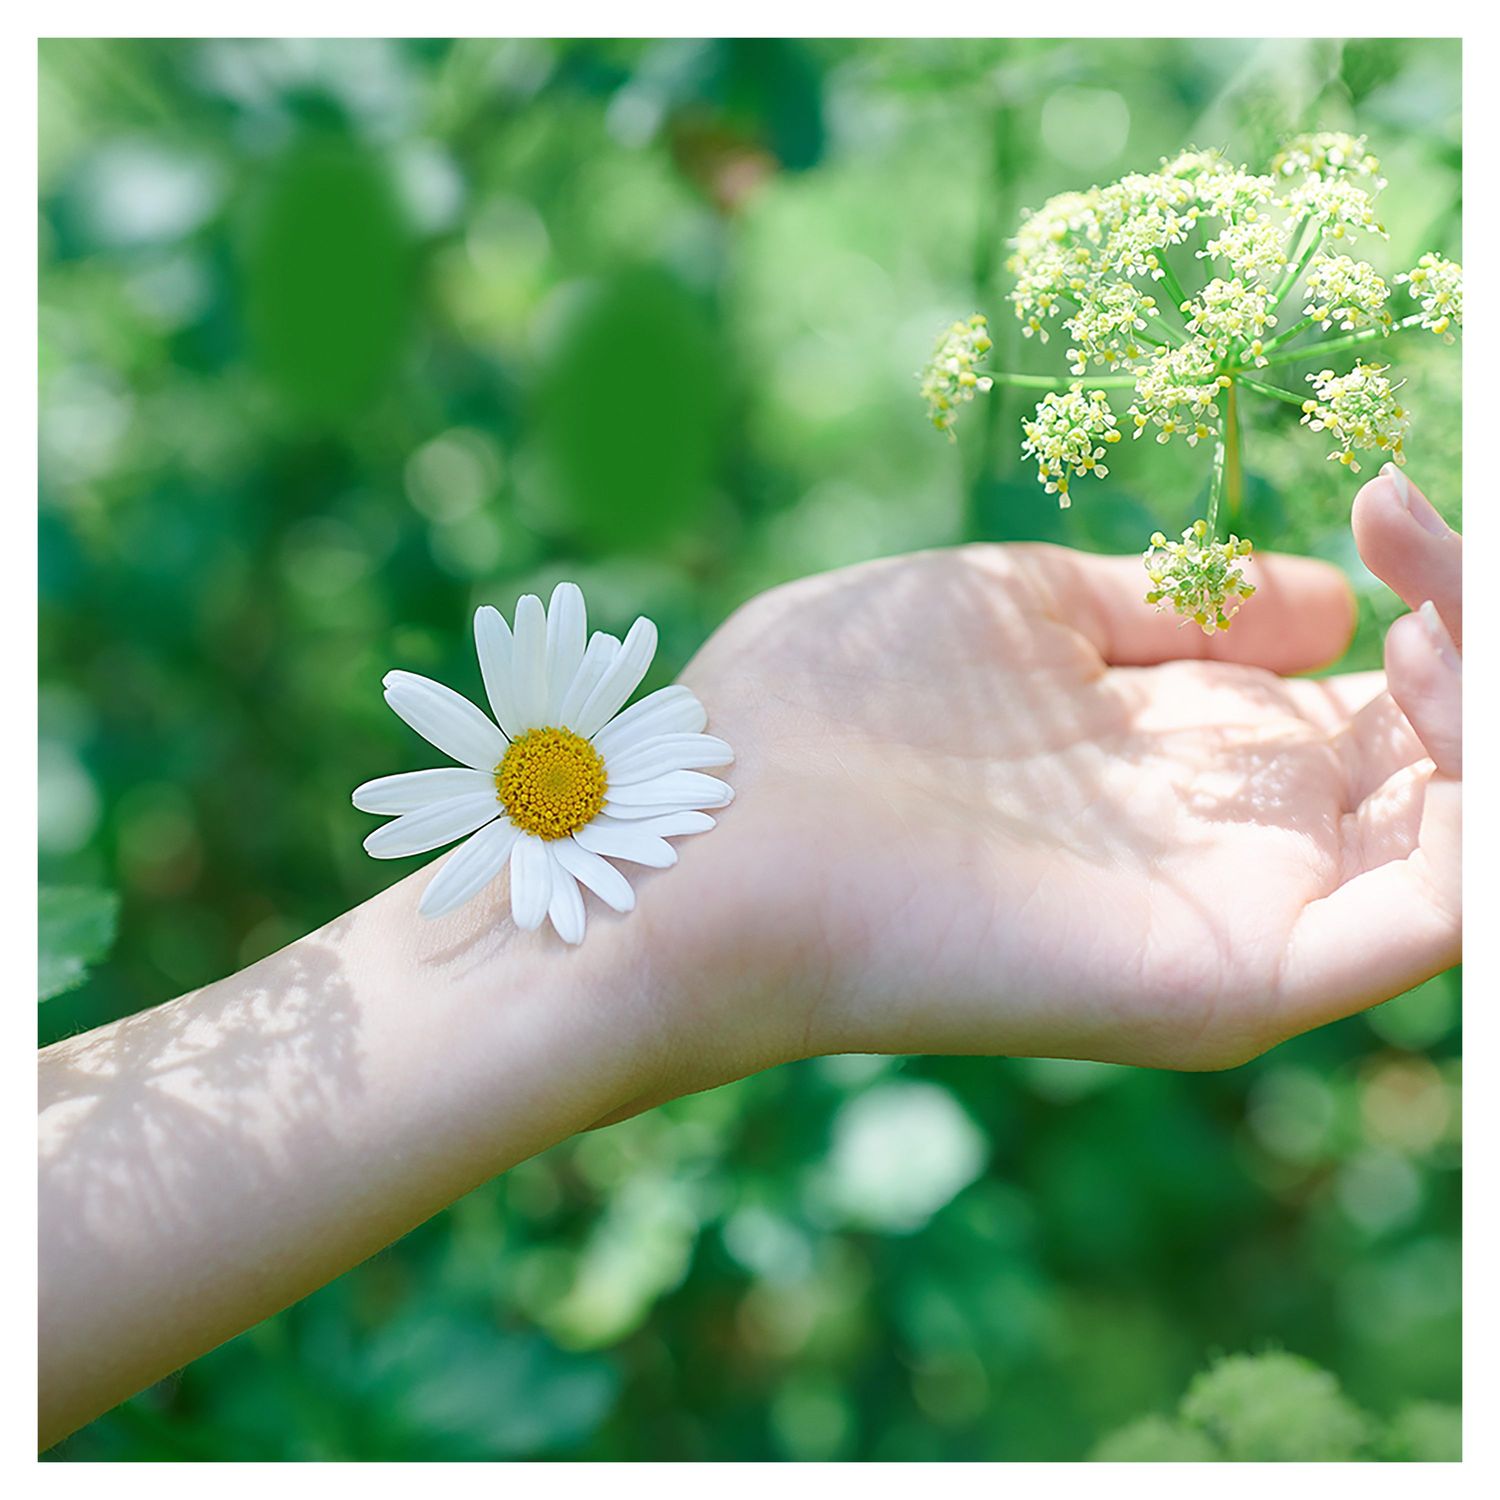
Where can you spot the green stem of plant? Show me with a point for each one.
(1291, 333)
(1275, 392)
(1349, 340)
(1172, 335)
(1299, 265)
(1172, 284)
(1057, 382)
(1234, 477)
(1216, 487)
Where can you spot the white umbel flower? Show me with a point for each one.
(561, 781)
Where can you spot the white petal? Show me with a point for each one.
(530, 882)
(672, 792)
(567, 632)
(670, 825)
(493, 643)
(597, 660)
(669, 710)
(445, 719)
(601, 877)
(667, 752)
(620, 681)
(468, 869)
(410, 790)
(626, 843)
(433, 826)
(529, 659)
(566, 905)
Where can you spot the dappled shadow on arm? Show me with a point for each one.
(227, 1085)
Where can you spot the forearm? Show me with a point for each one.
(208, 1162)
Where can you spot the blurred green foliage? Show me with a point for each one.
(75, 927)
(1277, 1408)
(341, 338)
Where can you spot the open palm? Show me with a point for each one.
(986, 805)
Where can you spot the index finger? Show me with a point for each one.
(1300, 617)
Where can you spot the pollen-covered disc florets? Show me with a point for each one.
(1358, 410)
(1198, 577)
(1066, 437)
(1438, 284)
(952, 375)
(551, 782)
(558, 779)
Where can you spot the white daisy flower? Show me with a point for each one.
(561, 781)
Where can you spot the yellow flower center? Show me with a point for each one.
(551, 782)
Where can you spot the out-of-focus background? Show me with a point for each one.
(339, 339)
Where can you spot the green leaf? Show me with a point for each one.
(75, 928)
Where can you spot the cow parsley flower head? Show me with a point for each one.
(1228, 315)
(1255, 248)
(952, 376)
(1340, 208)
(1438, 284)
(1347, 293)
(1236, 196)
(1063, 220)
(1198, 577)
(1145, 212)
(1178, 391)
(1193, 163)
(1358, 411)
(560, 781)
(1327, 153)
(1066, 437)
(1106, 328)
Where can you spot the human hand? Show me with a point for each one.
(989, 802)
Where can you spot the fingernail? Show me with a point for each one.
(1416, 504)
(1437, 633)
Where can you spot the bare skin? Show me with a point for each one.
(987, 802)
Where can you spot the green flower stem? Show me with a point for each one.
(1057, 382)
(1299, 265)
(1216, 488)
(1234, 475)
(1329, 346)
(1172, 336)
(1291, 333)
(1172, 284)
(1275, 392)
